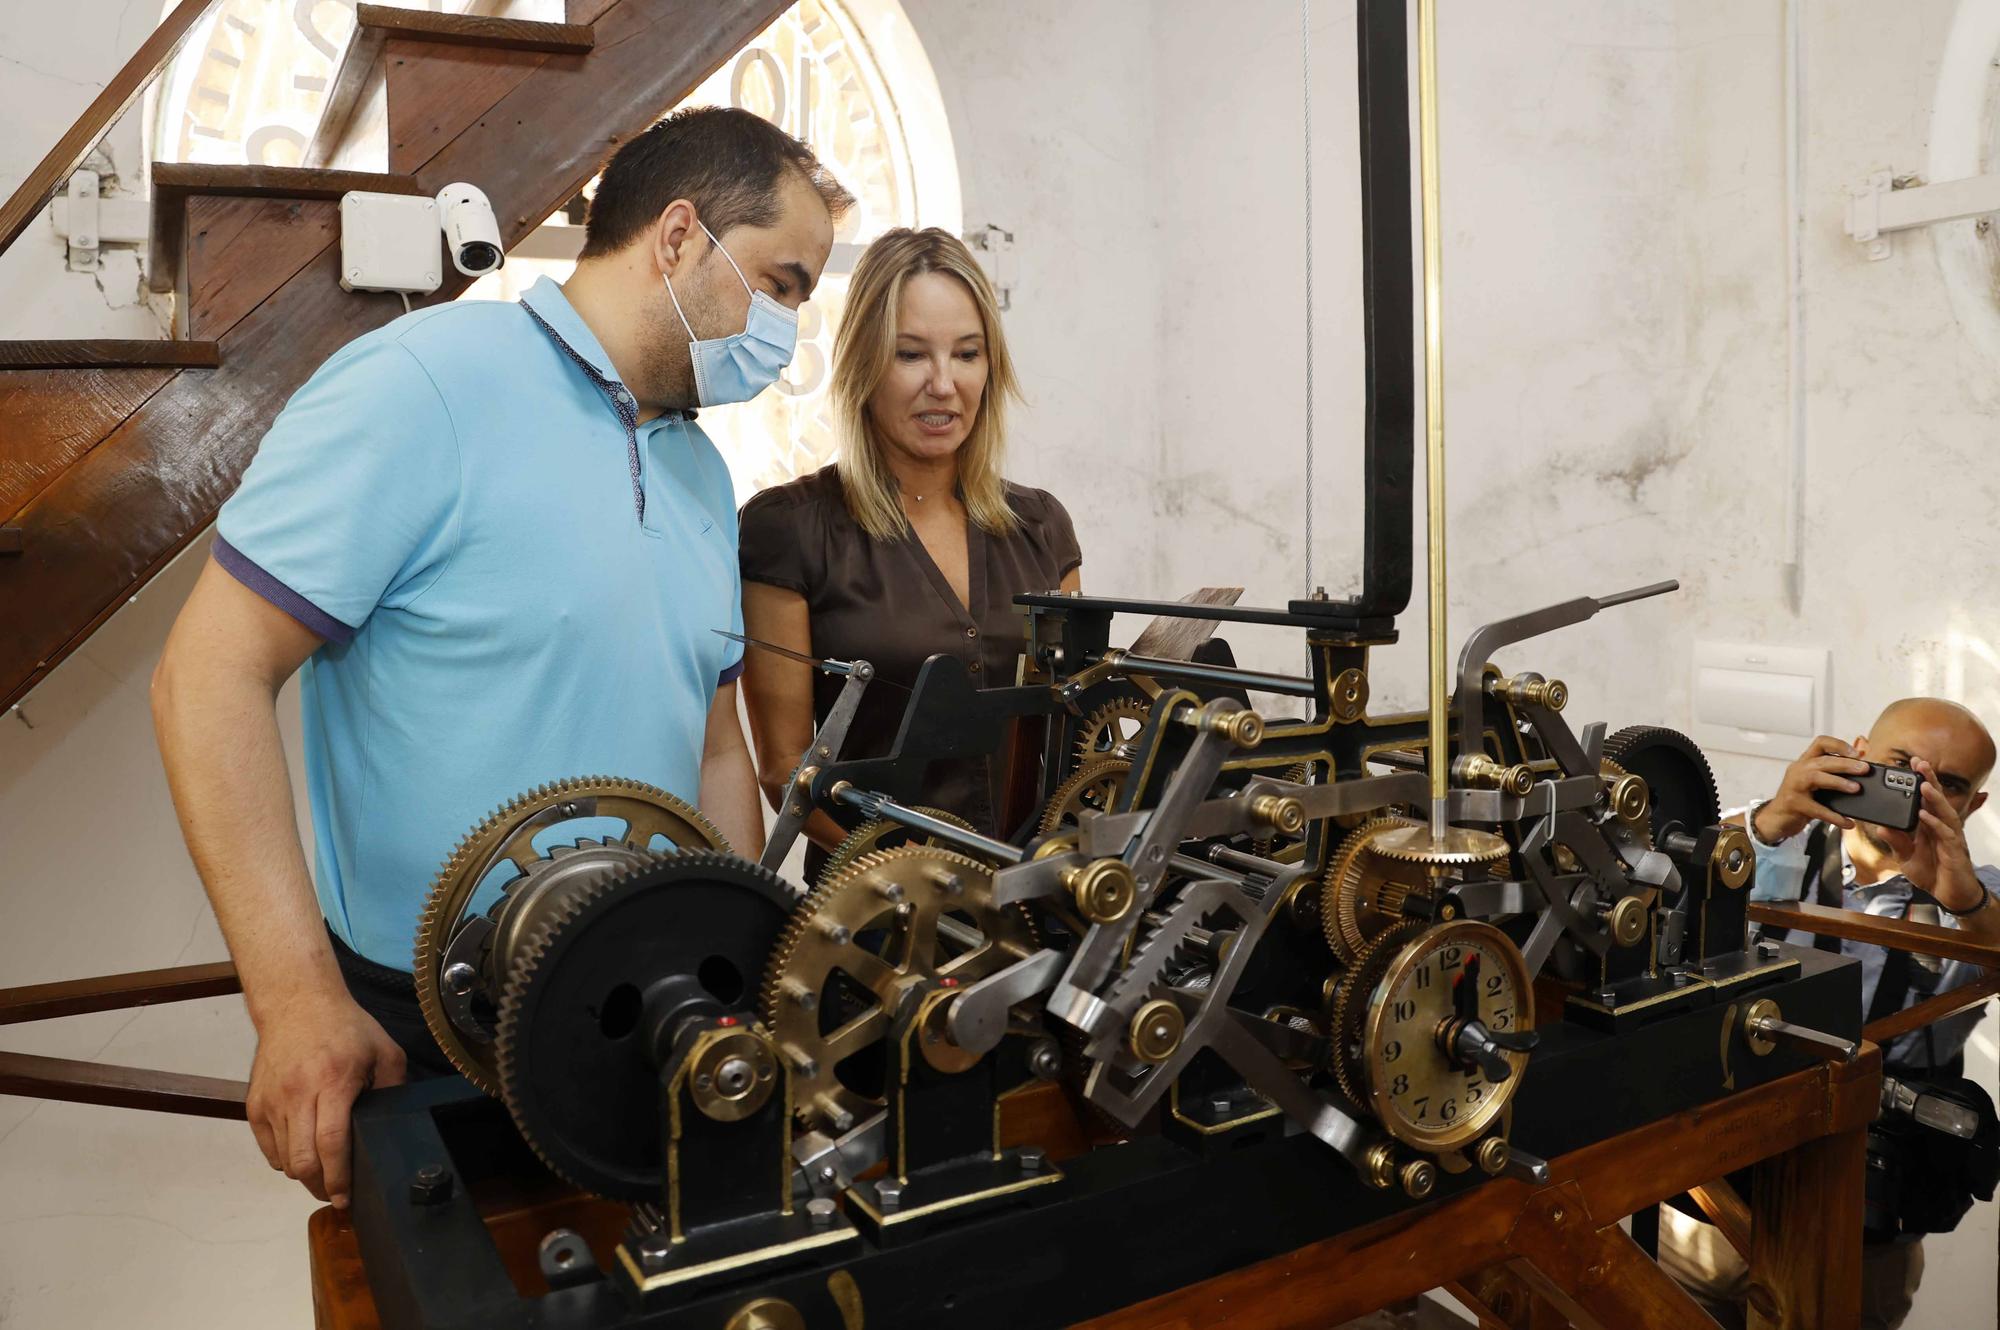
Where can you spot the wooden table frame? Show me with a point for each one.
(1561, 1242)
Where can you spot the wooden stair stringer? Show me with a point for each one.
(107, 524)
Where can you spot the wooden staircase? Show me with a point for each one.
(115, 454)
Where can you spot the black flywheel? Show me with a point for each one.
(576, 1061)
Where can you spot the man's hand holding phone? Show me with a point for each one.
(1827, 765)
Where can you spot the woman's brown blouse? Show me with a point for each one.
(888, 603)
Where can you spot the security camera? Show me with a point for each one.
(471, 232)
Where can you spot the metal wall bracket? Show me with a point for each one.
(88, 220)
(1885, 203)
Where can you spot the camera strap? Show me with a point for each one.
(1825, 875)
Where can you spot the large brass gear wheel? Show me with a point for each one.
(880, 833)
(1348, 1014)
(1094, 786)
(1111, 730)
(1360, 899)
(509, 833)
(889, 928)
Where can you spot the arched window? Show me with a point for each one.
(848, 76)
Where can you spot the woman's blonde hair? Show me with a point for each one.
(862, 352)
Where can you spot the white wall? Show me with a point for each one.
(1616, 366)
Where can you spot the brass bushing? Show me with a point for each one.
(1350, 695)
(1630, 799)
(1533, 690)
(1244, 728)
(1493, 1154)
(1280, 812)
(766, 1314)
(1419, 1178)
(1735, 860)
(1754, 1016)
(1482, 772)
(1156, 1030)
(1378, 1166)
(934, 1039)
(731, 1074)
(1104, 889)
(1628, 921)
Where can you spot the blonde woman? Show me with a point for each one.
(914, 543)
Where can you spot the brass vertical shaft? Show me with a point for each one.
(1427, 126)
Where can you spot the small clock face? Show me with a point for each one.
(1453, 973)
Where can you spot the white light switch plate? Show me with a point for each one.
(390, 242)
(1763, 700)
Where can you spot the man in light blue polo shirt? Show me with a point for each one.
(497, 542)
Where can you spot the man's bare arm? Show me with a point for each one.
(214, 711)
(728, 780)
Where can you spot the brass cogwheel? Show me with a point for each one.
(1349, 1009)
(1357, 902)
(508, 833)
(1461, 847)
(1094, 786)
(871, 836)
(1110, 730)
(894, 924)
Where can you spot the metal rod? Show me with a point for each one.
(881, 805)
(1427, 125)
(1646, 592)
(1224, 676)
(1401, 759)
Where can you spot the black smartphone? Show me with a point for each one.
(1889, 797)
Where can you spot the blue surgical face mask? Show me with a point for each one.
(738, 367)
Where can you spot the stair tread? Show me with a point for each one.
(174, 182)
(375, 25)
(108, 353)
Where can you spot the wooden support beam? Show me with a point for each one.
(1805, 1248)
(120, 1087)
(1932, 1009)
(1898, 934)
(117, 992)
(1727, 1210)
(1589, 1269)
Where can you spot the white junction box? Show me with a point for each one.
(389, 242)
(1767, 701)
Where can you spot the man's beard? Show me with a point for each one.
(1877, 841)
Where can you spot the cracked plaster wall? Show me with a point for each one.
(1616, 370)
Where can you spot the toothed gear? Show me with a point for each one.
(879, 833)
(1677, 776)
(574, 1061)
(1110, 730)
(1356, 903)
(509, 833)
(1095, 786)
(857, 947)
(1350, 1004)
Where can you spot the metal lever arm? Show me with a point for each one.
(1774, 1030)
(825, 748)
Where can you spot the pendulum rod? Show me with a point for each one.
(1427, 124)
